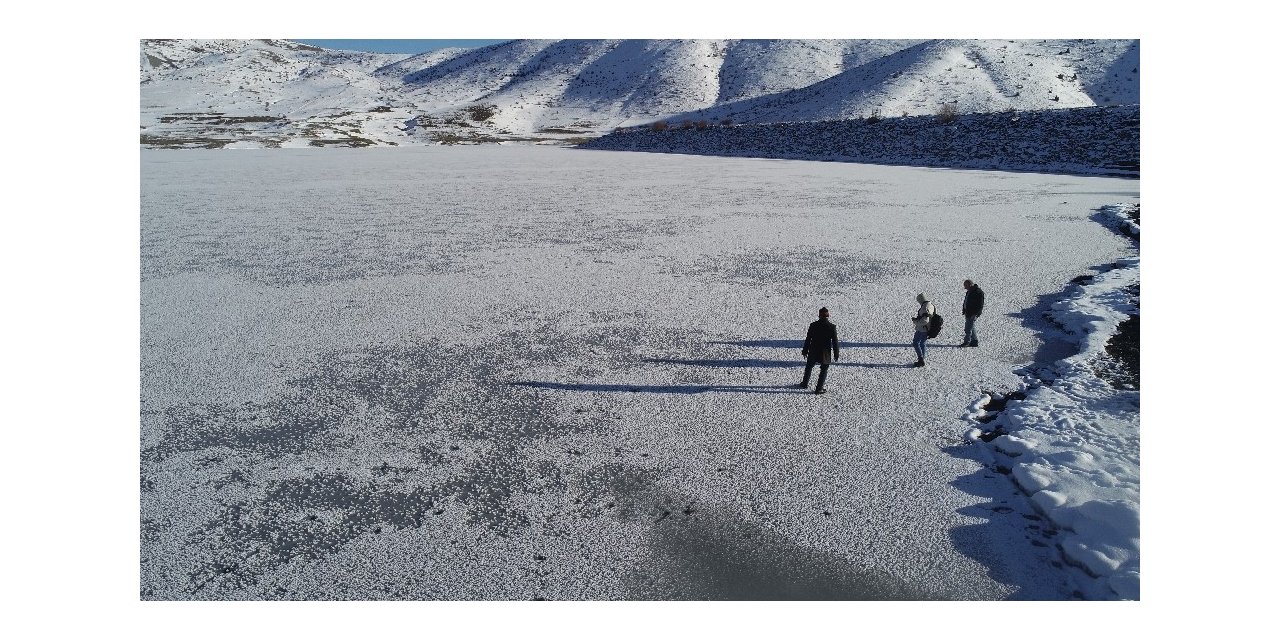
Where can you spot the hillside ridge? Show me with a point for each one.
(278, 93)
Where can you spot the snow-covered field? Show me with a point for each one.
(510, 372)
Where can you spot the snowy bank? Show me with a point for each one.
(1071, 438)
(1089, 141)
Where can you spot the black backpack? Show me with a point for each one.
(935, 325)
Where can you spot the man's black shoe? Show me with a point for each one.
(919, 363)
(973, 344)
(819, 391)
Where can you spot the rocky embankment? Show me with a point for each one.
(1091, 141)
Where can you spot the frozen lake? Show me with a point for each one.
(523, 372)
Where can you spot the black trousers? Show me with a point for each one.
(822, 372)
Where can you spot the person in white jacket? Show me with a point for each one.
(921, 321)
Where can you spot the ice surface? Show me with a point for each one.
(521, 372)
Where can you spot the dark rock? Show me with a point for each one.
(1121, 366)
(992, 435)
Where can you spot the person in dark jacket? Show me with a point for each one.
(973, 301)
(820, 343)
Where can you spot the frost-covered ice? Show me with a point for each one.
(522, 372)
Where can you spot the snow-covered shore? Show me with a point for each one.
(1070, 437)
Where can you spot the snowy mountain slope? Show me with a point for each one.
(578, 84)
(972, 76)
(419, 62)
(1116, 83)
(215, 93)
(264, 92)
(472, 76)
(753, 68)
(253, 77)
(647, 76)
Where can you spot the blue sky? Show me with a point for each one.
(396, 46)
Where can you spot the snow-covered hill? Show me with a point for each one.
(277, 93)
(973, 76)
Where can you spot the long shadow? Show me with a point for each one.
(726, 558)
(731, 363)
(870, 365)
(1100, 216)
(757, 363)
(734, 363)
(799, 344)
(1055, 343)
(1123, 67)
(1017, 546)
(709, 552)
(664, 388)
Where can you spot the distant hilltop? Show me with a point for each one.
(278, 93)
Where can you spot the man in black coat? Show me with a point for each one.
(819, 345)
(973, 300)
